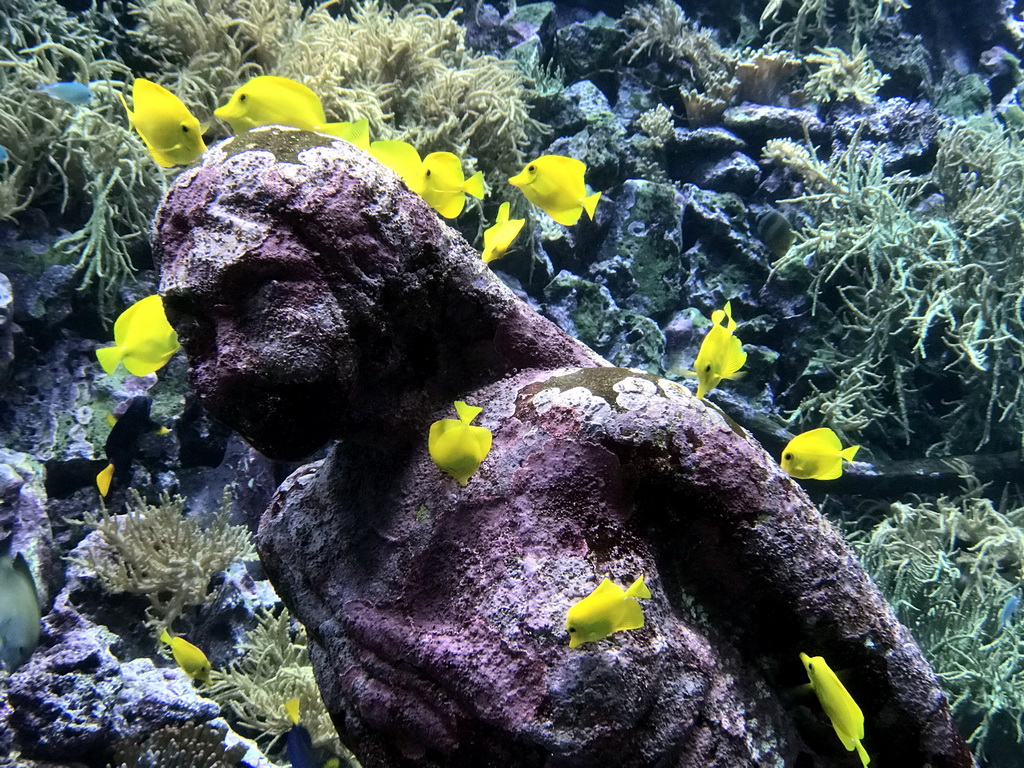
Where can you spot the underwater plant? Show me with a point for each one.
(273, 668)
(951, 568)
(922, 290)
(154, 550)
(840, 75)
(816, 22)
(76, 159)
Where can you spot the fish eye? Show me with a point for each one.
(531, 168)
(787, 456)
(707, 368)
(571, 630)
(428, 171)
(184, 129)
(241, 97)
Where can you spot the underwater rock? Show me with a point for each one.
(756, 123)
(587, 311)
(318, 298)
(639, 257)
(6, 327)
(75, 700)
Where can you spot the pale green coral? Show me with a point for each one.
(154, 550)
(948, 568)
(913, 287)
(840, 75)
(797, 22)
(83, 158)
(273, 668)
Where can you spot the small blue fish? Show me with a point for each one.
(70, 92)
(299, 748)
(1009, 612)
(3, 154)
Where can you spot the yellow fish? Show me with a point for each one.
(456, 446)
(170, 132)
(838, 704)
(193, 662)
(499, 237)
(143, 339)
(607, 609)
(437, 178)
(554, 183)
(721, 354)
(817, 455)
(270, 100)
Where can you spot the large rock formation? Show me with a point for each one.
(318, 299)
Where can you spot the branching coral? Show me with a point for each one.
(714, 76)
(410, 73)
(75, 159)
(816, 20)
(949, 568)
(929, 291)
(203, 49)
(841, 75)
(158, 552)
(274, 668)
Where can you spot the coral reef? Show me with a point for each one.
(922, 290)
(273, 668)
(950, 568)
(185, 746)
(362, 316)
(154, 550)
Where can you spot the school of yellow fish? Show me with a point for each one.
(144, 341)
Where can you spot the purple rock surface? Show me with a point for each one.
(318, 299)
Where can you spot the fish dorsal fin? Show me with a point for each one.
(293, 88)
(467, 412)
(607, 588)
(503, 213)
(823, 437)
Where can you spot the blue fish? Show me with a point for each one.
(71, 92)
(1009, 612)
(299, 748)
(3, 154)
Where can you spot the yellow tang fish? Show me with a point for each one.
(193, 662)
(143, 339)
(555, 184)
(270, 100)
(499, 237)
(437, 178)
(170, 132)
(838, 704)
(607, 609)
(456, 446)
(721, 354)
(816, 455)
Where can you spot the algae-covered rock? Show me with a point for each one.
(318, 298)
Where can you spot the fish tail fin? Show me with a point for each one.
(474, 185)
(590, 204)
(467, 412)
(110, 357)
(862, 753)
(103, 480)
(165, 636)
(357, 132)
(638, 589)
(849, 453)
